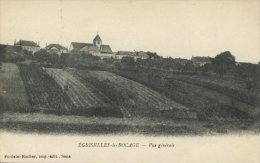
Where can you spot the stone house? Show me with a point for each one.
(56, 49)
(133, 54)
(28, 45)
(200, 61)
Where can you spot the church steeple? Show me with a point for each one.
(97, 41)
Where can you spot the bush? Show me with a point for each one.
(223, 63)
(128, 61)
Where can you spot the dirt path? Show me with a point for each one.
(12, 91)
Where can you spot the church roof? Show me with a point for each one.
(105, 49)
(88, 46)
(97, 38)
(26, 43)
(79, 45)
(58, 46)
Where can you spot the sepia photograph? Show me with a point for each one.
(136, 80)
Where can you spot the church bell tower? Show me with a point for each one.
(97, 41)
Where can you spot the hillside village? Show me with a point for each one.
(135, 91)
(98, 55)
(96, 48)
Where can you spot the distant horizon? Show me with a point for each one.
(42, 47)
(174, 29)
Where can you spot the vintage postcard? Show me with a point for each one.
(131, 81)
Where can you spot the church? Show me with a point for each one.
(96, 48)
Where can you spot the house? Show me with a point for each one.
(133, 54)
(56, 49)
(142, 55)
(182, 61)
(200, 61)
(121, 54)
(28, 45)
(96, 48)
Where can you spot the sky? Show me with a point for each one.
(178, 29)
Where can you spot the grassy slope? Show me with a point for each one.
(86, 98)
(233, 88)
(43, 92)
(134, 98)
(12, 91)
(189, 91)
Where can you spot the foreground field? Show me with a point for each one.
(49, 123)
(12, 91)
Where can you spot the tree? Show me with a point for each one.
(28, 54)
(109, 61)
(223, 62)
(128, 61)
(153, 55)
(89, 57)
(188, 66)
(41, 55)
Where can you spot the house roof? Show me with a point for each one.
(79, 45)
(58, 46)
(26, 43)
(201, 59)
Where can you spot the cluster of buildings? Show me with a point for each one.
(96, 48)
